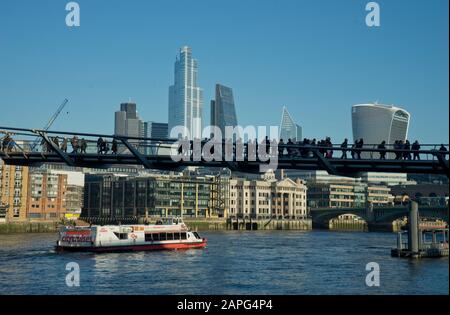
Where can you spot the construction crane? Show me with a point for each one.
(50, 122)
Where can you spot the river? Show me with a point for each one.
(235, 262)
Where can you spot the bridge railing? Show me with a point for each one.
(35, 140)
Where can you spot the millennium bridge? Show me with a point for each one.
(34, 147)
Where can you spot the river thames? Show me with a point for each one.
(257, 262)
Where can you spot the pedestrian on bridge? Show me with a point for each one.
(114, 146)
(344, 147)
(382, 146)
(75, 144)
(398, 145)
(443, 150)
(100, 145)
(416, 147)
(281, 148)
(83, 146)
(407, 150)
(64, 145)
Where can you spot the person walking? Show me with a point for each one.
(415, 147)
(443, 150)
(99, 145)
(114, 146)
(407, 152)
(281, 148)
(382, 146)
(83, 146)
(344, 146)
(74, 143)
(64, 145)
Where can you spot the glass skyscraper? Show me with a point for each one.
(185, 97)
(288, 128)
(223, 112)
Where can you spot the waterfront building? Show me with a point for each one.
(112, 196)
(223, 111)
(13, 192)
(46, 195)
(288, 128)
(185, 96)
(424, 194)
(267, 198)
(347, 195)
(74, 192)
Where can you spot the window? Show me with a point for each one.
(169, 236)
(148, 237)
(183, 236)
(156, 237)
(162, 236)
(176, 236)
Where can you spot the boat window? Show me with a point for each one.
(148, 237)
(176, 236)
(183, 236)
(169, 236)
(156, 237)
(162, 236)
(196, 235)
(121, 236)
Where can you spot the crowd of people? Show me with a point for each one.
(402, 150)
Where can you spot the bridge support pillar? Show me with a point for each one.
(413, 228)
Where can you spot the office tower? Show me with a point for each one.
(375, 123)
(185, 97)
(223, 112)
(288, 128)
(127, 123)
(154, 130)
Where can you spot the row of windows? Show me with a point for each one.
(149, 237)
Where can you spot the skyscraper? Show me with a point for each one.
(288, 128)
(375, 123)
(154, 130)
(127, 122)
(185, 97)
(223, 112)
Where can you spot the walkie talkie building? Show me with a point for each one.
(375, 123)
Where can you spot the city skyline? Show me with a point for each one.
(95, 81)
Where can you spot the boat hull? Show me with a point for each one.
(131, 248)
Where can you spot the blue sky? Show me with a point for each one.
(316, 57)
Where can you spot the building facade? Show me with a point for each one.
(46, 195)
(111, 196)
(375, 123)
(347, 195)
(267, 199)
(128, 123)
(154, 130)
(288, 128)
(186, 97)
(223, 111)
(13, 192)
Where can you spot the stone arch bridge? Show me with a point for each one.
(375, 217)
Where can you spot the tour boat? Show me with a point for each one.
(167, 233)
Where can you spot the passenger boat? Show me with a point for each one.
(167, 233)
